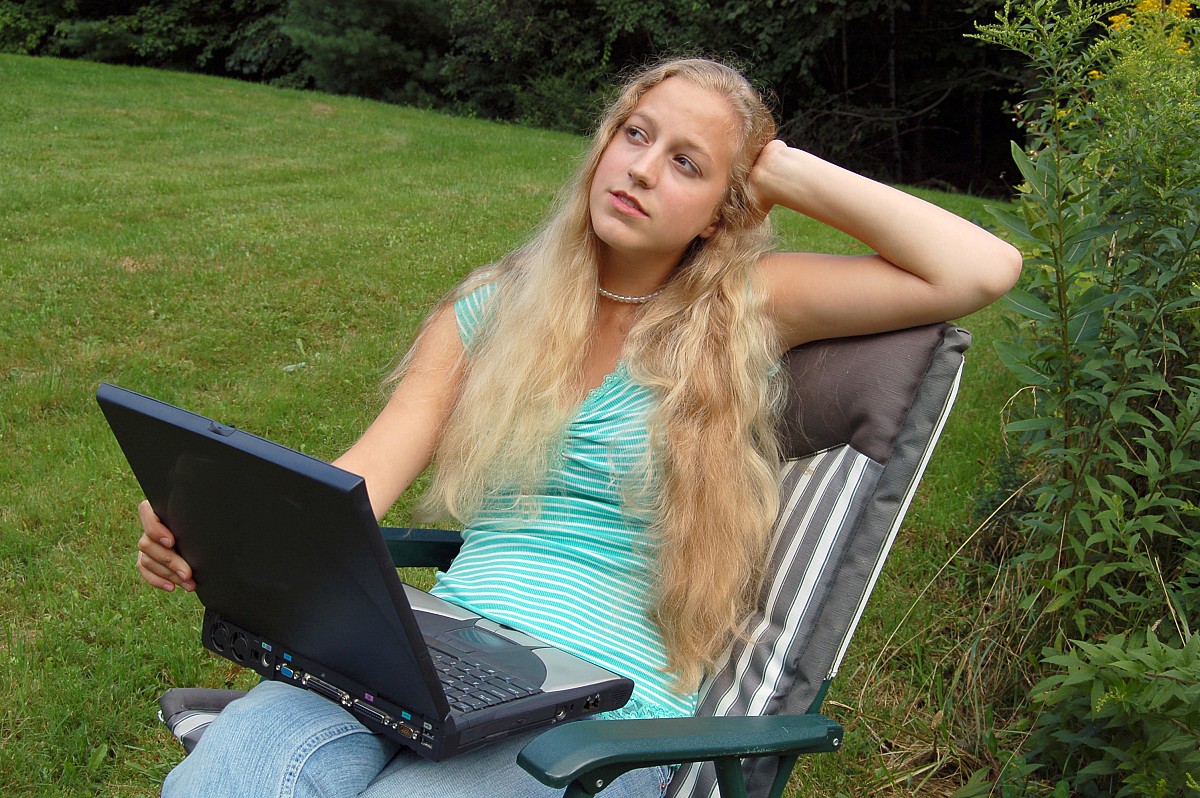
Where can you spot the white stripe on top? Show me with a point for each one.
(578, 571)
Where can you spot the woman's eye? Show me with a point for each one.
(635, 133)
(687, 164)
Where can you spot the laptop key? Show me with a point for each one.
(470, 685)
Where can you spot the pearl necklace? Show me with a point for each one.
(629, 300)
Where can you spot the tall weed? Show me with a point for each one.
(1108, 425)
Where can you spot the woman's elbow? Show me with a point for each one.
(1000, 271)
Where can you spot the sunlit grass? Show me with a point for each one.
(263, 256)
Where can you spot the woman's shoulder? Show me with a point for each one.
(477, 298)
(473, 304)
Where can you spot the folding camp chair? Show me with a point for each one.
(864, 414)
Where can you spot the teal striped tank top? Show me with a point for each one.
(577, 573)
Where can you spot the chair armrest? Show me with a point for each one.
(414, 548)
(593, 753)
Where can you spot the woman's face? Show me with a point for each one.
(662, 178)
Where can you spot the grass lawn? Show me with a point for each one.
(263, 256)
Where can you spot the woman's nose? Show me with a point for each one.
(642, 170)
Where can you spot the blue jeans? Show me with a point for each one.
(285, 742)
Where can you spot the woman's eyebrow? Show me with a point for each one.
(640, 118)
(697, 147)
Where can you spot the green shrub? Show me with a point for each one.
(1109, 422)
(1123, 716)
(235, 37)
(24, 26)
(383, 49)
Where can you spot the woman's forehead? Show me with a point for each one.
(682, 108)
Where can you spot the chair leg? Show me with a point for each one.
(783, 772)
(730, 779)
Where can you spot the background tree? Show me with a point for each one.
(888, 87)
(241, 38)
(384, 49)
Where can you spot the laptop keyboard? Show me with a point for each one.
(472, 685)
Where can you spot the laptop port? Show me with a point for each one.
(324, 688)
(371, 713)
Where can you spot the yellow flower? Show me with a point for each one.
(1149, 5)
(1180, 8)
(1095, 74)
(1181, 44)
(1120, 22)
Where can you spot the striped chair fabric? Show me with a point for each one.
(864, 416)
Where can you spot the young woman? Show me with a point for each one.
(600, 408)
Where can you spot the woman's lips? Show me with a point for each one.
(626, 204)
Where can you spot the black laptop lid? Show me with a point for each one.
(280, 543)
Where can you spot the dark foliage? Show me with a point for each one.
(887, 87)
(383, 49)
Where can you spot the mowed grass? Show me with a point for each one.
(264, 256)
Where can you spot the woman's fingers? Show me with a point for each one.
(162, 568)
(158, 562)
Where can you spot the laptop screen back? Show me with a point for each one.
(279, 543)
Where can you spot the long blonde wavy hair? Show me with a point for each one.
(703, 347)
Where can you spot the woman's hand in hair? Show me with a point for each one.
(769, 172)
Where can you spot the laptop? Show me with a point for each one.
(298, 585)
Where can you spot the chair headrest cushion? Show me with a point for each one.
(854, 391)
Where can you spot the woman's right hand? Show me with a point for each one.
(769, 169)
(157, 561)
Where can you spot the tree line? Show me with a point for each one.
(889, 87)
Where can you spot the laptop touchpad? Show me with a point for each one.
(498, 651)
(473, 638)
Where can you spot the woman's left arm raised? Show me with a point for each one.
(929, 264)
